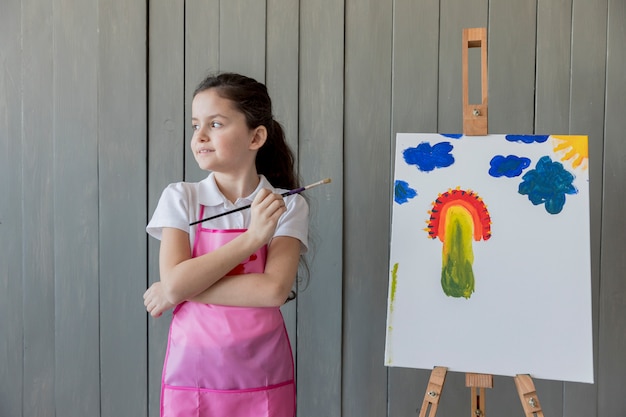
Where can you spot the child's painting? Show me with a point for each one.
(490, 256)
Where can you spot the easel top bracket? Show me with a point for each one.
(475, 116)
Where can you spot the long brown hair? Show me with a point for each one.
(274, 159)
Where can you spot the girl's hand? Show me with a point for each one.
(267, 208)
(155, 300)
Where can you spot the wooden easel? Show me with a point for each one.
(478, 383)
(475, 123)
(475, 116)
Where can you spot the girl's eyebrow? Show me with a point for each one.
(211, 116)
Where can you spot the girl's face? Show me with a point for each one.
(222, 141)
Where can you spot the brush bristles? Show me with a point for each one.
(315, 184)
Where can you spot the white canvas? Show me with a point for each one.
(530, 308)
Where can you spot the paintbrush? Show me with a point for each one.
(285, 194)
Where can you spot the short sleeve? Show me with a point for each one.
(295, 222)
(172, 211)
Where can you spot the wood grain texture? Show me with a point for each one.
(612, 341)
(552, 94)
(415, 66)
(122, 169)
(75, 177)
(11, 219)
(242, 37)
(367, 152)
(201, 56)
(321, 121)
(38, 209)
(512, 37)
(166, 150)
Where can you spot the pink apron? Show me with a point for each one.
(227, 361)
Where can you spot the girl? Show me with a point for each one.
(228, 353)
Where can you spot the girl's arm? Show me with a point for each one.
(183, 277)
(268, 289)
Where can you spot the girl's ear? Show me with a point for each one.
(259, 137)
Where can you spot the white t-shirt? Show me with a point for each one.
(180, 203)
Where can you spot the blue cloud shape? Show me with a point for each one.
(509, 166)
(548, 184)
(427, 157)
(527, 138)
(403, 192)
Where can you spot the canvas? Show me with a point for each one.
(490, 256)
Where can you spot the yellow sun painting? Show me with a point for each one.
(573, 148)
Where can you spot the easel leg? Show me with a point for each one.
(478, 402)
(528, 396)
(433, 392)
(478, 383)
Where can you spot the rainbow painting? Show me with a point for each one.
(456, 218)
(489, 236)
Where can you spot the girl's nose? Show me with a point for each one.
(201, 135)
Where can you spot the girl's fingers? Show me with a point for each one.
(267, 208)
(268, 204)
(261, 196)
(265, 198)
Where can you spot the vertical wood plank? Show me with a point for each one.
(612, 345)
(282, 83)
(202, 56)
(456, 15)
(554, 29)
(587, 89)
(242, 37)
(321, 104)
(122, 172)
(77, 366)
(415, 66)
(367, 152)
(38, 207)
(282, 65)
(512, 27)
(11, 239)
(414, 109)
(166, 150)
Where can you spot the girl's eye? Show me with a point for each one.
(214, 124)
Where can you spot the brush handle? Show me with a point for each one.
(221, 214)
(285, 194)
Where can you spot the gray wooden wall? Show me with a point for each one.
(94, 109)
